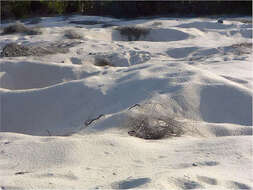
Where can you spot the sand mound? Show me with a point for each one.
(206, 25)
(27, 75)
(244, 32)
(72, 34)
(81, 100)
(201, 53)
(221, 130)
(85, 102)
(47, 102)
(239, 49)
(34, 20)
(225, 104)
(63, 118)
(75, 95)
(181, 52)
(117, 59)
(94, 23)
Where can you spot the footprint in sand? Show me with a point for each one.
(69, 176)
(10, 188)
(235, 79)
(130, 183)
(187, 184)
(138, 57)
(178, 53)
(236, 185)
(197, 164)
(207, 180)
(76, 61)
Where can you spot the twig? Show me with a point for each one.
(134, 106)
(49, 132)
(88, 122)
(21, 173)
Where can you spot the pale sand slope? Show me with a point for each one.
(189, 68)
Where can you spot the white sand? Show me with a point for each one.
(187, 65)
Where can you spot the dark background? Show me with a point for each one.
(124, 9)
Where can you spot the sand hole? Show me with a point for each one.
(131, 183)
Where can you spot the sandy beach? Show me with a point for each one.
(66, 103)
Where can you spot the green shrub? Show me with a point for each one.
(56, 7)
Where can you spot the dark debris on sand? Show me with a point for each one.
(21, 28)
(16, 50)
(148, 127)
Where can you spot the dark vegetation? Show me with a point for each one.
(133, 33)
(130, 183)
(14, 9)
(246, 21)
(239, 49)
(87, 22)
(71, 34)
(241, 45)
(21, 28)
(153, 127)
(16, 50)
(102, 61)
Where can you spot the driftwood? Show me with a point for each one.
(21, 173)
(135, 105)
(49, 132)
(88, 122)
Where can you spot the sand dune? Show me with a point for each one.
(64, 116)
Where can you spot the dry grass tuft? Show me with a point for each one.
(246, 21)
(133, 33)
(157, 23)
(241, 48)
(16, 50)
(20, 28)
(102, 61)
(71, 34)
(153, 127)
(157, 118)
